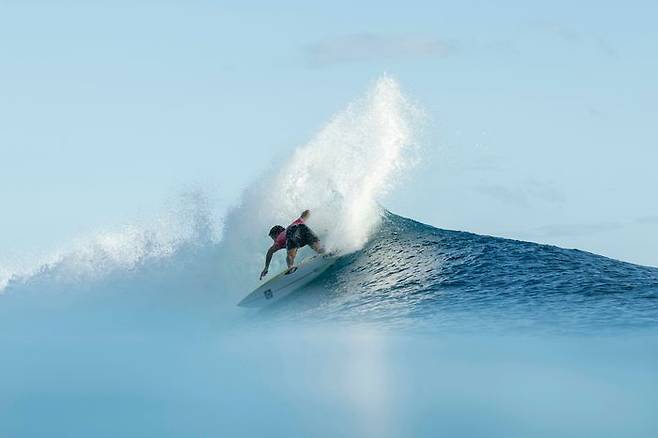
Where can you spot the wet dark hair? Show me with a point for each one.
(275, 230)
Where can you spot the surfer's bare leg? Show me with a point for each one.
(290, 257)
(317, 247)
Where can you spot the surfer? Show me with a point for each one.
(295, 236)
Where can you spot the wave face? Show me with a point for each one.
(411, 274)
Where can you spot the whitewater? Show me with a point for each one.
(341, 175)
(415, 331)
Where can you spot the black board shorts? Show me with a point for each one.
(298, 236)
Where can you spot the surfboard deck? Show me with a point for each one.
(284, 284)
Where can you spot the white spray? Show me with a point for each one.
(340, 175)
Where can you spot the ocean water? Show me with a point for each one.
(416, 331)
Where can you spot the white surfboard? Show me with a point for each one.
(284, 284)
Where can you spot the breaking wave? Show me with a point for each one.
(341, 175)
(393, 271)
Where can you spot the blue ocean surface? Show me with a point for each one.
(423, 332)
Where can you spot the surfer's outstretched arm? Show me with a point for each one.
(268, 259)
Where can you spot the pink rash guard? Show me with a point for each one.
(280, 241)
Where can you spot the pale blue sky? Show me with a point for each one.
(542, 116)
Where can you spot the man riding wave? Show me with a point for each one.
(295, 236)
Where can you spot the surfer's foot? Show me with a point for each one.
(291, 270)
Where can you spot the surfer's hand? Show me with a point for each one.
(263, 274)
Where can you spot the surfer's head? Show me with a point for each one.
(275, 231)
